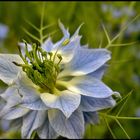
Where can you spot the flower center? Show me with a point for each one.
(41, 67)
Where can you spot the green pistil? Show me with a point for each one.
(43, 67)
(40, 67)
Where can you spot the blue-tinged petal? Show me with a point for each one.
(89, 86)
(66, 35)
(64, 30)
(5, 124)
(86, 61)
(95, 104)
(35, 105)
(48, 45)
(46, 131)
(12, 99)
(29, 93)
(67, 101)
(22, 45)
(11, 96)
(8, 70)
(98, 74)
(22, 48)
(31, 122)
(26, 88)
(91, 117)
(67, 52)
(3, 31)
(72, 127)
(13, 112)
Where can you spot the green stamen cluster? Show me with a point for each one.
(40, 67)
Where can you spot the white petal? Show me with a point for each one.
(31, 122)
(72, 127)
(95, 104)
(67, 101)
(8, 70)
(89, 86)
(86, 61)
(46, 131)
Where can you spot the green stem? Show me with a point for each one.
(119, 117)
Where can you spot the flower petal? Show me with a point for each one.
(26, 88)
(91, 117)
(67, 52)
(15, 112)
(5, 124)
(31, 122)
(67, 101)
(64, 30)
(22, 45)
(3, 31)
(46, 131)
(76, 32)
(11, 57)
(65, 33)
(89, 86)
(11, 96)
(48, 45)
(72, 127)
(86, 61)
(95, 104)
(8, 70)
(98, 74)
(35, 105)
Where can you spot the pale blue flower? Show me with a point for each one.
(3, 31)
(70, 95)
(117, 12)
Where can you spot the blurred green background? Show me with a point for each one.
(123, 74)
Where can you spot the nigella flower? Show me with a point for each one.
(56, 88)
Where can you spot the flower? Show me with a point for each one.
(3, 31)
(55, 89)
